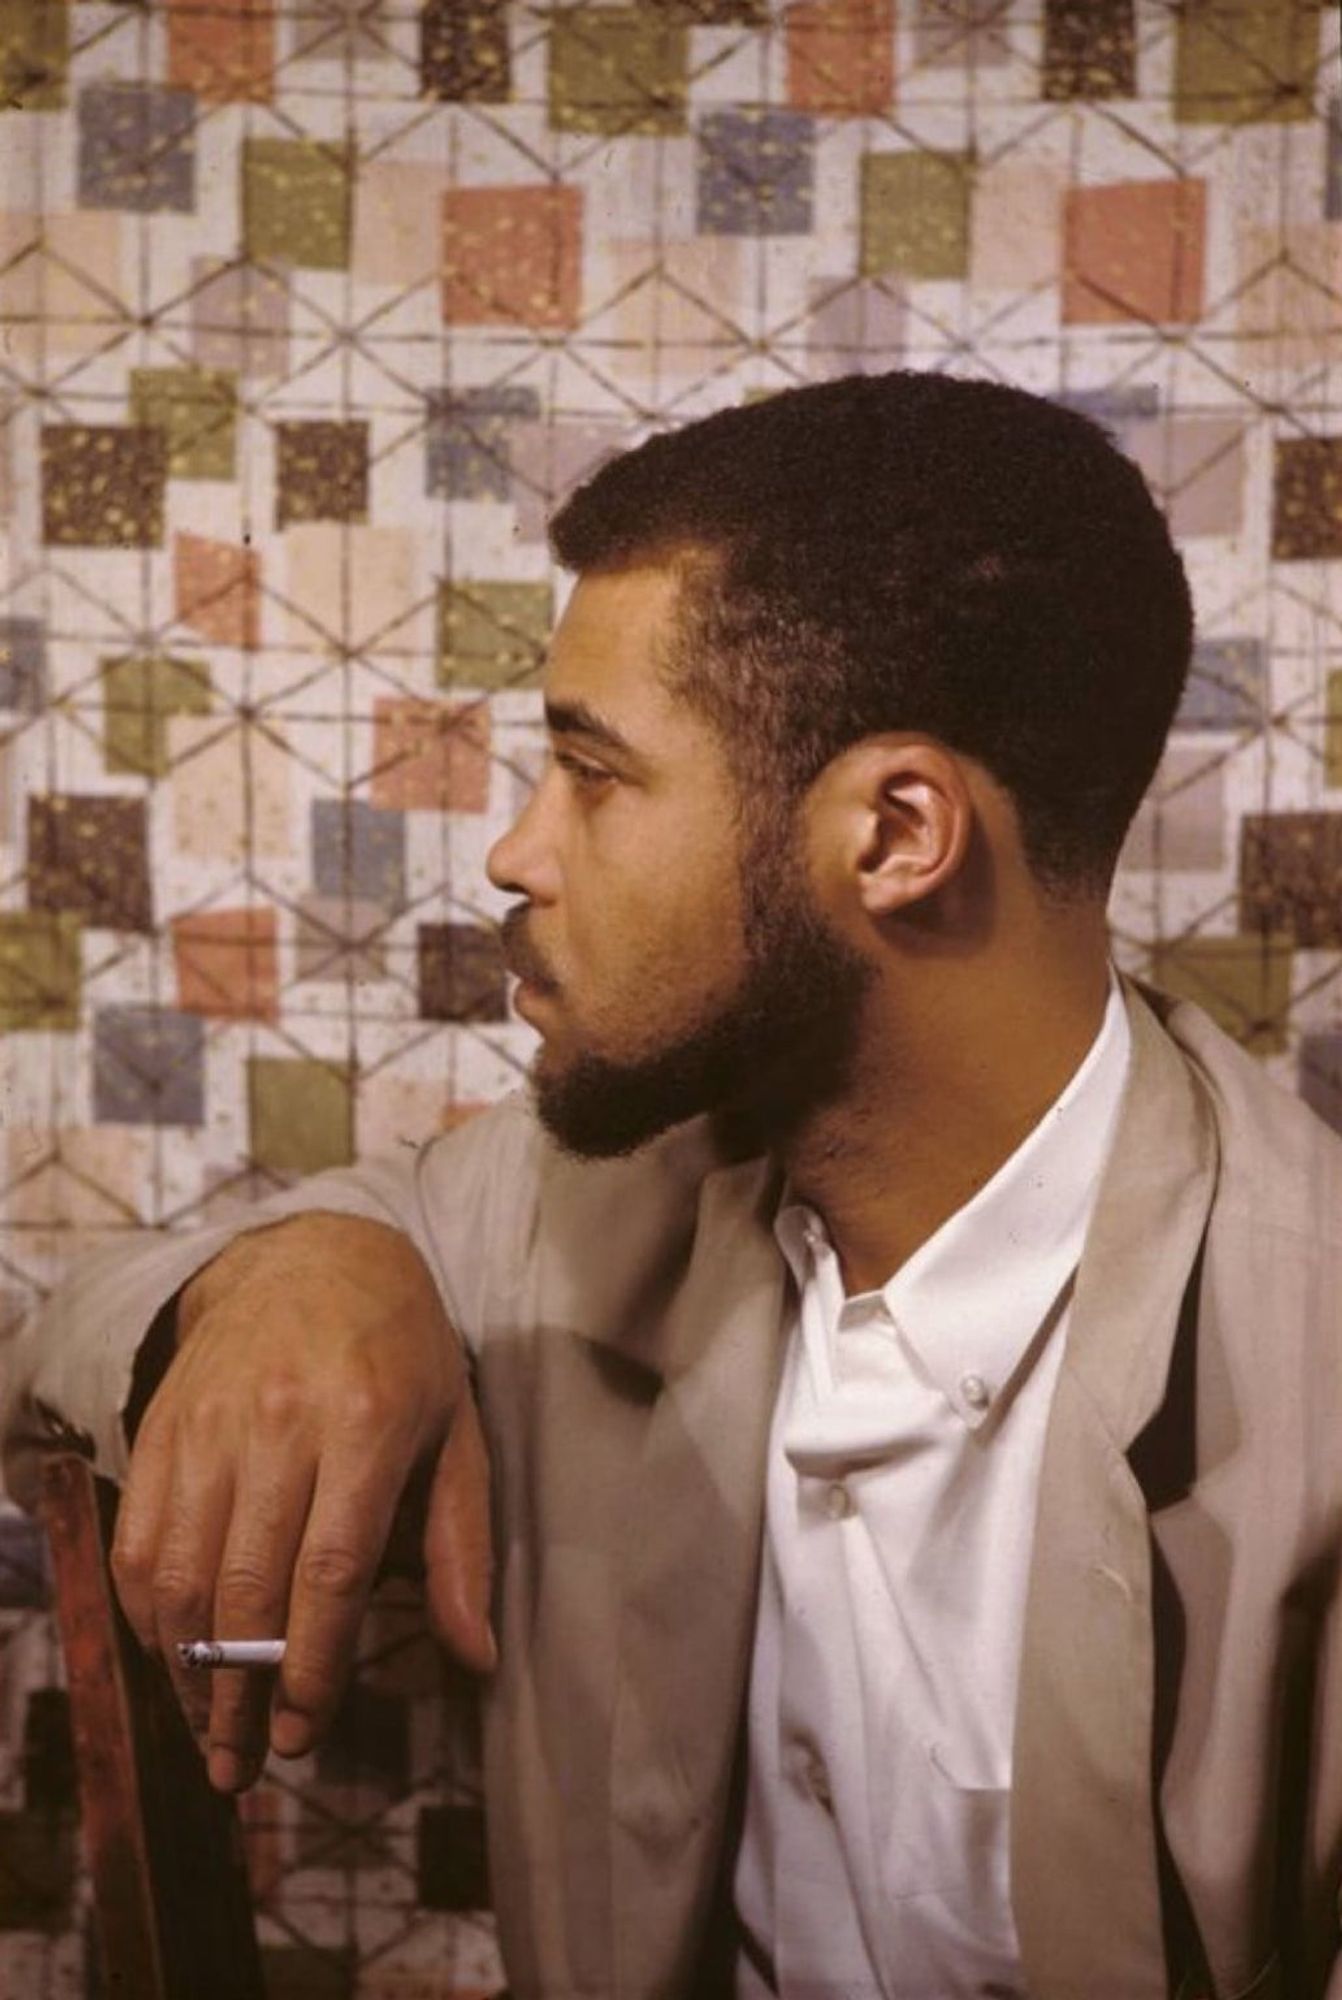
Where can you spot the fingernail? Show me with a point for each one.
(290, 1732)
(228, 1771)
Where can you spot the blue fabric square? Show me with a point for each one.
(23, 660)
(24, 1583)
(137, 147)
(358, 850)
(467, 443)
(1226, 685)
(756, 173)
(148, 1066)
(1115, 406)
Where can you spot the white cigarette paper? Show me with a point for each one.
(231, 1652)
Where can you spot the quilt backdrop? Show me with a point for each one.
(309, 310)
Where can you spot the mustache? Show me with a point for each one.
(520, 954)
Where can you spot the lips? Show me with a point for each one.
(521, 957)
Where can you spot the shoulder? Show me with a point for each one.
(1279, 1167)
(521, 1185)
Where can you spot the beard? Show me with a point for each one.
(777, 1049)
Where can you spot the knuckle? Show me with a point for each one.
(333, 1571)
(204, 1419)
(244, 1581)
(180, 1597)
(362, 1406)
(131, 1562)
(279, 1402)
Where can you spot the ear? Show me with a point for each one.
(903, 813)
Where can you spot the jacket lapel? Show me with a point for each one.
(1085, 1884)
(689, 1580)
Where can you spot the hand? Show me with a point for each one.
(316, 1371)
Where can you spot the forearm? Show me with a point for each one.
(79, 1368)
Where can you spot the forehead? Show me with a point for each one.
(606, 648)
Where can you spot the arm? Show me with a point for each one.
(316, 1368)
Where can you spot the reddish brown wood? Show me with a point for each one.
(165, 1852)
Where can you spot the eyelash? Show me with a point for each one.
(580, 771)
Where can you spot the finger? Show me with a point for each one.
(191, 1544)
(458, 1544)
(270, 1512)
(346, 1531)
(140, 1513)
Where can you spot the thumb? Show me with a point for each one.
(458, 1546)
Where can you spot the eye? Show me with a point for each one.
(588, 776)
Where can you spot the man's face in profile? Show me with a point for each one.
(671, 954)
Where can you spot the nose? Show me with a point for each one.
(522, 860)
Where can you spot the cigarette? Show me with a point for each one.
(231, 1652)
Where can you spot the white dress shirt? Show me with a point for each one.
(903, 1477)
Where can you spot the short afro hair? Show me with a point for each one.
(914, 552)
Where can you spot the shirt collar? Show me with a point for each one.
(971, 1299)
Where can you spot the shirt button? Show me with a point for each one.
(975, 1391)
(838, 1502)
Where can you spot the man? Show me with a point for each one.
(907, 1353)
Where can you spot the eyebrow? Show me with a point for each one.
(575, 718)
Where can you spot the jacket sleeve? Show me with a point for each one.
(68, 1372)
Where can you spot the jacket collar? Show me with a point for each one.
(1082, 1775)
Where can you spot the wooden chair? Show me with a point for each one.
(164, 1849)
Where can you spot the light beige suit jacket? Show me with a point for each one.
(1177, 1782)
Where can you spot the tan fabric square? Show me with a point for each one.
(1289, 308)
(397, 232)
(78, 1177)
(1016, 226)
(231, 790)
(371, 572)
(64, 298)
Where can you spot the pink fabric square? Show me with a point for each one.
(430, 756)
(1134, 251)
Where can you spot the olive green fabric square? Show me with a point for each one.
(140, 692)
(617, 70)
(198, 410)
(1245, 61)
(493, 635)
(40, 969)
(103, 486)
(34, 54)
(301, 1114)
(1244, 983)
(915, 214)
(296, 202)
(1332, 731)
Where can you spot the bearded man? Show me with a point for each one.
(906, 1351)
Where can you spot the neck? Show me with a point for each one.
(956, 1064)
